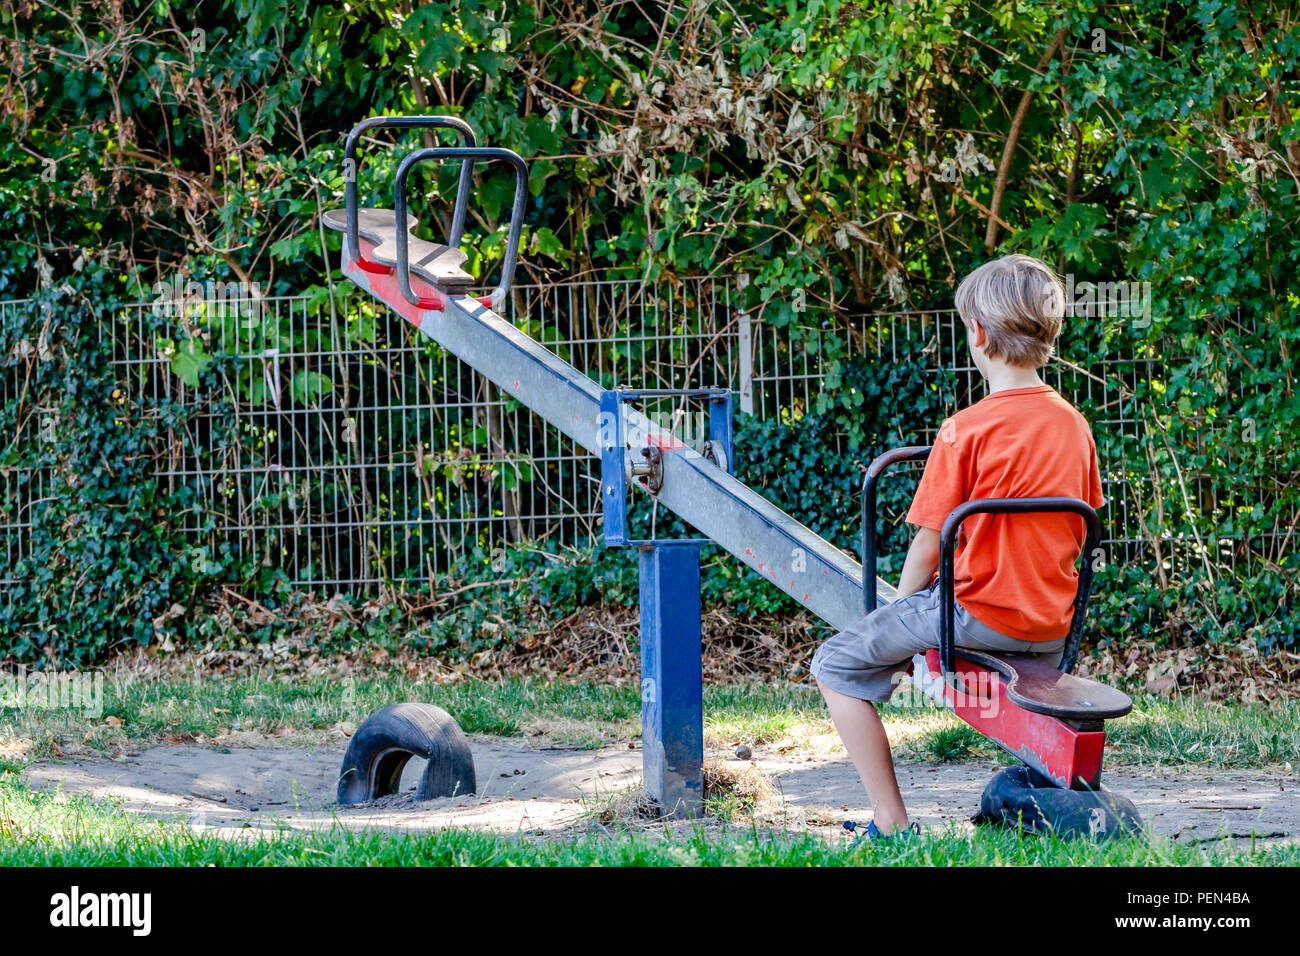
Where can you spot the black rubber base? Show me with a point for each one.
(372, 766)
(1021, 797)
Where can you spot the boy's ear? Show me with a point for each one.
(979, 338)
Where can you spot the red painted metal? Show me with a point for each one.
(1066, 756)
(377, 268)
(368, 264)
(430, 297)
(665, 439)
(384, 285)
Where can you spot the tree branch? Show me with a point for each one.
(1009, 149)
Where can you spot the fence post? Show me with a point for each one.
(746, 347)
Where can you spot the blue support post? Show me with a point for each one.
(672, 679)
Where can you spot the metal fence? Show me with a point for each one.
(1119, 396)
(366, 455)
(22, 489)
(1108, 390)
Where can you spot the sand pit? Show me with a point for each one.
(540, 790)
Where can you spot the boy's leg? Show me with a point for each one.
(864, 737)
(864, 662)
(861, 665)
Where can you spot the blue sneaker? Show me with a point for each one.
(872, 833)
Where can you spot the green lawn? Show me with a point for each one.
(37, 829)
(1163, 732)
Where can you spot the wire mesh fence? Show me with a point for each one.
(365, 454)
(24, 488)
(358, 455)
(1120, 396)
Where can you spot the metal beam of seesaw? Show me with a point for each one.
(804, 565)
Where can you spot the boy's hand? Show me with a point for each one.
(922, 561)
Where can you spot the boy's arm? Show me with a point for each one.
(922, 561)
(943, 487)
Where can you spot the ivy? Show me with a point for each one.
(843, 157)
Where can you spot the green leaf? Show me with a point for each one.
(309, 387)
(189, 360)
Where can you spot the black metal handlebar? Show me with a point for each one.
(947, 549)
(468, 154)
(947, 552)
(350, 171)
(874, 471)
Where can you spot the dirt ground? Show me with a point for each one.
(539, 790)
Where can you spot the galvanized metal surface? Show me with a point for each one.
(807, 567)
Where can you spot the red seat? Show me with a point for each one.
(1038, 686)
(437, 264)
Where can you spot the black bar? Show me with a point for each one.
(468, 154)
(874, 471)
(404, 122)
(947, 542)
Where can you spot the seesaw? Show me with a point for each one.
(423, 282)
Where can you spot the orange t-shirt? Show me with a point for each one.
(1013, 572)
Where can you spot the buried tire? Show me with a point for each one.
(382, 745)
(1020, 797)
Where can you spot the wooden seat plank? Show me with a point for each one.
(1036, 685)
(435, 263)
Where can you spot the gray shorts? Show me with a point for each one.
(869, 659)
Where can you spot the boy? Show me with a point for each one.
(1014, 574)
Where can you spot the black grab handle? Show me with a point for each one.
(874, 471)
(468, 155)
(350, 171)
(947, 549)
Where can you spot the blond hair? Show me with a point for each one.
(1020, 304)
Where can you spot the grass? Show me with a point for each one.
(958, 742)
(1187, 730)
(136, 713)
(139, 712)
(38, 829)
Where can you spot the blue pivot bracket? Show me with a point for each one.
(672, 679)
(636, 455)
